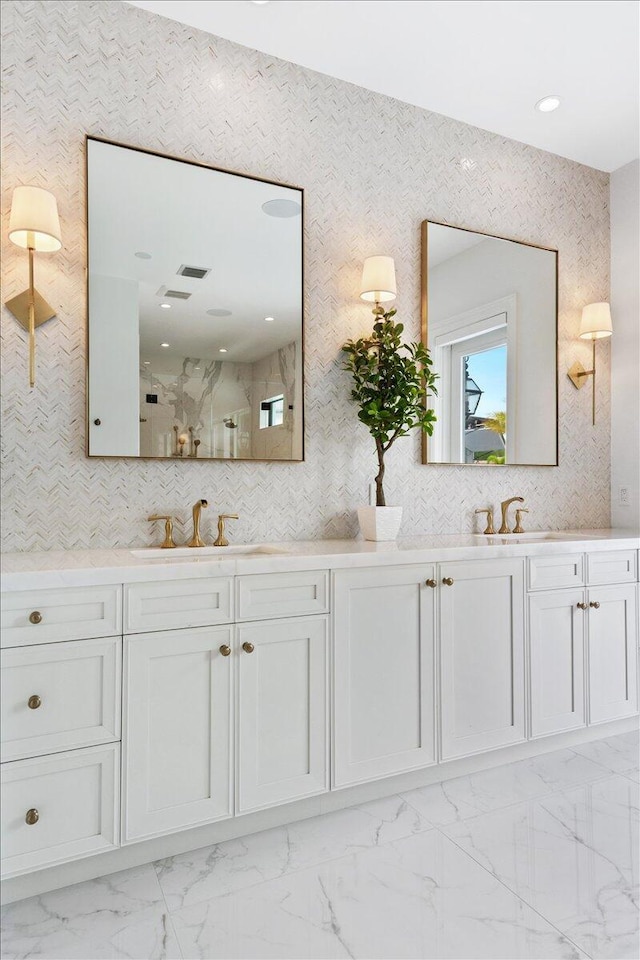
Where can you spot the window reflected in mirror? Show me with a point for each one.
(195, 310)
(490, 323)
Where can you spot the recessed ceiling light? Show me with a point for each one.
(164, 344)
(219, 313)
(147, 362)
(165, 306)
(269, 319)
(548, 104)
(196, 368)
(141, 255)
(223, 350)
(282, 208)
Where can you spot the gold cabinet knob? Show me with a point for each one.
(248, 647)
(34, 702)
(225, 650)
(431, 583)
(448, 581)
(595, 605)
(32, 816)
(581, 606)
(35, 617)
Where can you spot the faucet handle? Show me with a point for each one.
(489, 513)
(221, 540)
(168, 529)
(518, 527)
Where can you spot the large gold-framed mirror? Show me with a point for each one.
(490, 321)
(195, 310)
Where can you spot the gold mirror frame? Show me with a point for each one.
(424, 324)
(235, 173)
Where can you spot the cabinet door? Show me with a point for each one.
(556, 642)
(481, 655)
(612, 653)
(383, 672)
(177, 730)
(282, 711)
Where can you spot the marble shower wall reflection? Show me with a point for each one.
(203, 408)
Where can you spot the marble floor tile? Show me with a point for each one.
(234, 864)
(417, 897)
(619, 754)
(121, 915)
(573, 856)
(463, 797)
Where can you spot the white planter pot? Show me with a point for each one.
(379, 523)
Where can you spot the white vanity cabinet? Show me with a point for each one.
(383, 672)
(177, 730)
(283, 692)
(481, 644)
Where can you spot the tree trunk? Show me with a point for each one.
(380, 501)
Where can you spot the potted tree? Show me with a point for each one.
(392, 381)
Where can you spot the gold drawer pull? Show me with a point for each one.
(448, 581)
(32, 816)
(581, 606)
(34, 702)
(595, 605)
(248, 647)
(35, 617)
(225, 650)
(431, 583)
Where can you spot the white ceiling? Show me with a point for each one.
(485, 62)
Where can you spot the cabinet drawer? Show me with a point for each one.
(545, 573)
(617, 566)
(44, 616)
(177, 604)
(275, 595)
(74, 797)
(60, 696)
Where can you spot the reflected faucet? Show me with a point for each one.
(505, 511)
(196, 539)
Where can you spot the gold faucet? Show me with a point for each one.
(505, 509)
(221, 540)
(489, 513)
(168, 530)
(196, 539)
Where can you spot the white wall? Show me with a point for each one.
(625, 344)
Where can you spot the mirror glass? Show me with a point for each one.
(195, 310)
(490, 322)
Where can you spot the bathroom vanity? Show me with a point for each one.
(154, 703)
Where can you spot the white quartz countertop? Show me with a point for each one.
(74, 568)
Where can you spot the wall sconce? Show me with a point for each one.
(33, 225)
(378, 282)
(594, 325)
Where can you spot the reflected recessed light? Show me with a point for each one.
(165, 306)
(259, 3)
(141, 255)
(282, 208)
(222, 350)
(164, 344)
(146, 362)
(196, 368)
(218, 313)
(547, 104)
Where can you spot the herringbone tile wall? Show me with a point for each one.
(373, 168)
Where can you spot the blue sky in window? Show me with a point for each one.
(489, 370)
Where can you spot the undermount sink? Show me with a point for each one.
(540, 535)
(209, 553)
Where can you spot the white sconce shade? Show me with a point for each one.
(34, 220)
(596, 321)
(378, 280)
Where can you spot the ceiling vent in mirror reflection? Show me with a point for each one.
(176, 294)
(218, 313)
(195, 273)
(282, 208)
